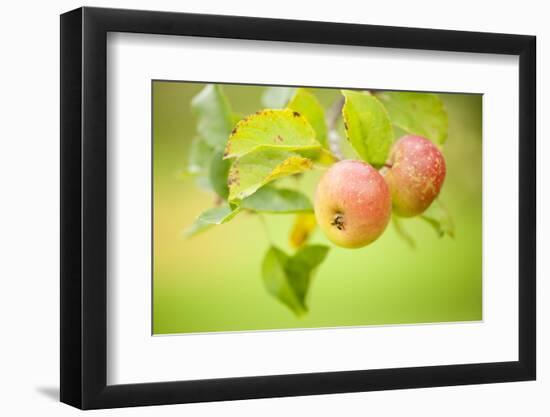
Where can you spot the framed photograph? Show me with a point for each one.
(257, 208)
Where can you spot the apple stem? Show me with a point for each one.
(338, 221)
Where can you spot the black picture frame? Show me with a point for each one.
(84, 207)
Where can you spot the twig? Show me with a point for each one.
(333, 114)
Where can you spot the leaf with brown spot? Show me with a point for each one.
(252, 171)
(271, 129)
(306, 104)
(369, 128)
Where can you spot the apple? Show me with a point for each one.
(352, 204)
(415, 175)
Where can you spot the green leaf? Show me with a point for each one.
(307, 104)
(215, 119)
(323, 157)
(288, 278)
(402, 233)
(277, 281)
(198, 162)
(271, 129)
(218, 215)
(277, 97)
(368, 127)
(196, 228)
(199, 157)
(421, 114)
(211, 217)
(439, 218)
(254, 170)
(277, 200)
(219, 170)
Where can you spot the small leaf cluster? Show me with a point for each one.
(240, 160)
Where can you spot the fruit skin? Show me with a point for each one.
(416, 175)
(352, 204)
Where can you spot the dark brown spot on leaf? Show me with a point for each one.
(227, 150)
(279, 138)
(234, 130)
(345, 126)
(295, 114)
(233, 178)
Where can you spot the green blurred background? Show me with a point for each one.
(212, 282)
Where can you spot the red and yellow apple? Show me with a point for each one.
(352, 204)
(416, 174)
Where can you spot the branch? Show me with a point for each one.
(333, 115)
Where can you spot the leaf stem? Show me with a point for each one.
(402, 232)
(266, 229)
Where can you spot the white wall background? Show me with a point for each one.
(29, 237)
